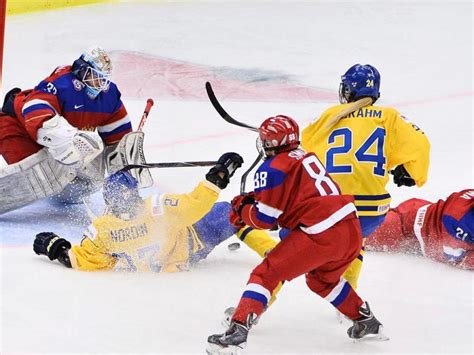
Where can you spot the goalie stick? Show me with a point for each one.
(149, 104)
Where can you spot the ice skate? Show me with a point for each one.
(233, 340)
(227, 319)
(367, 327)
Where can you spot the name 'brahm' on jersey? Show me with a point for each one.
(365, 112)
(294, 189)
(63, 94)
(361, 148)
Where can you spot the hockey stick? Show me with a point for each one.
(236, 245)
(247, 172)
(149, 104)
(184, 164)
(222, 112)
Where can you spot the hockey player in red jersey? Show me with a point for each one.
(47, 138)
(441, 231)
(293, 190)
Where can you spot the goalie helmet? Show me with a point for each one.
(120, 192)
(279, 134)
(93, 68)
(359, 81)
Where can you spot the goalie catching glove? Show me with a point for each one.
(53, 246)
(67, 144)
(225, 168)
(401, 177)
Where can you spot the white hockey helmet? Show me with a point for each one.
(93, 68)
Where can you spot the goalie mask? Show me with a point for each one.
(121, 195)
(279, 134)
(93, 68)
(359, 81)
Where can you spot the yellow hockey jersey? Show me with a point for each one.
(161, 238)
(361, 148)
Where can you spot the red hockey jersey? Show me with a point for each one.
(63, 94)
(442, 231)
(292, 189)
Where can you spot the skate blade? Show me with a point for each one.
(373, 337)
(214, 349)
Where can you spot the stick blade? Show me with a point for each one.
(220, 110)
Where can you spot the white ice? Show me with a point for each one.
(424, 53)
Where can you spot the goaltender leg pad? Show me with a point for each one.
(89, 179)
(78, 189)
(31, 179)
(127, 152)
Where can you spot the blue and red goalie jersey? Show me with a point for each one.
(63, 94)
(294, 190)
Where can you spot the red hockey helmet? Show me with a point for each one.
(280, 133)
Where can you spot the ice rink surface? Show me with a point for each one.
(265, 58)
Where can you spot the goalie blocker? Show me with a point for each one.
(129, 151)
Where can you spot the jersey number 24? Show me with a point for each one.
(376, 137)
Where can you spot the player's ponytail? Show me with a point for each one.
(351, 107)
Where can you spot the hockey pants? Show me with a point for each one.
(322, 257)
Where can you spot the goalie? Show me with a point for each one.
(163, 233)
(47, 138)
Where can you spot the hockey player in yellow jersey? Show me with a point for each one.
(166, 232)
(360, 143)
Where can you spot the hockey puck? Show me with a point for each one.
(233, 246)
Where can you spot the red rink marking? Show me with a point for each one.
(140, 75)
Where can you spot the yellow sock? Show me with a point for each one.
(274, 293)
(257, 239)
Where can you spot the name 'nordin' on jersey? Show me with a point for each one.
(133, 232)
(365, 113)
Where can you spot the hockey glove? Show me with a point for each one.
(401, 177)
(50, 244)
(237, 204)
(227, 164)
